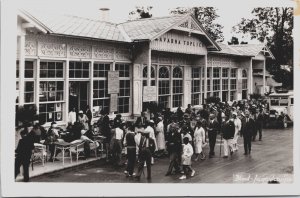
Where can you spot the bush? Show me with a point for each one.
(25, 114)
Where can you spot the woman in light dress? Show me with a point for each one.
(199, 140)
(160, 136)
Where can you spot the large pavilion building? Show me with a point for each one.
(64, 63)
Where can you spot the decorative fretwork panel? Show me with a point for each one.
(123, 54)
(104, 53)
(80, 51)
(219, 61)
(52, 50)
(184, 24)
(30, 48)
(195, 26)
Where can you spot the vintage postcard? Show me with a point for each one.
(149, 98)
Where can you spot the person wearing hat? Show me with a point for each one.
(23, 152)
(38, 132)
(258, 124)
(212, 129)
(237, 126)
(199, 140)
(146, 150)
(83, 119)
(130, 144)
(174, 147)
(72, 116)
(52, 137)
(248, 128)
(160, 136)
(117, 143)
(228, 130)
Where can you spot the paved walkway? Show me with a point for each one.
(270, 159)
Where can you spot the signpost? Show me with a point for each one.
(113, 82)
(113, 102)
(149, 93)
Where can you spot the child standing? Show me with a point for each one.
(187, 158)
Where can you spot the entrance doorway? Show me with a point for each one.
(224, 96)
(78, 95)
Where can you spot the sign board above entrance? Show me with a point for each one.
(179, 42)
(113, 82)
(149, 93)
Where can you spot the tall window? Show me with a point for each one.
(233, 81)
(145, 75)
(101, 97)
(177, 86)
(79, 69)
(51, 69)
(225, 84)
(196, 85)
(51, 101)
(124, 95)
(244, 84)
(216, 82)
(164, 86)
(29, 82)
(101, 70)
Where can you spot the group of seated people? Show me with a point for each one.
(74, 134)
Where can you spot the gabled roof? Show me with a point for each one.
(147, 29)
(136, 30)
(250, 50)
(79, 27)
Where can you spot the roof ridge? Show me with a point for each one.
(90, 19)
(153, 18)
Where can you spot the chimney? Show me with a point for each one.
(104, 14)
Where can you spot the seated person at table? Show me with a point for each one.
(88, 143)
(74, 131)
(52, 137)
(38, 132)
(93, 131)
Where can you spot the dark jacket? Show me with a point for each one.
(213, 127)
(142, 146)
(228, 130)
(141, 120)
(89, 114)
(248, 128)
(175, 142)
(24, 148)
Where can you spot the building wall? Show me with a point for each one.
(61, 51)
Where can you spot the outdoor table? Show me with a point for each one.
(63, 146)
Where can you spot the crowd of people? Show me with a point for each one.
(179, 135)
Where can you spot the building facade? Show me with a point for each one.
(63, 63)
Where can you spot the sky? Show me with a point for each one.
(230, 11)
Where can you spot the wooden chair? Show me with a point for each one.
(39, 154)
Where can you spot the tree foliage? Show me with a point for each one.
(273, 25)
(141, 12)
(206, 16)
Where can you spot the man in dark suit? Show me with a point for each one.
(146, 150)
(174, 148)
(259, 124)
(212, 128)
(141, 120)
(248, 129)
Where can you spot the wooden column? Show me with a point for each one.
(264, 77)
(22, 69)
(91, 85)
(37, 85)
(149, 67)
(205, 78)
(187, 95)
(66, 92)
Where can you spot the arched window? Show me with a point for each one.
(245, 74)
(145, 72)
(177, 72)
(164, 72)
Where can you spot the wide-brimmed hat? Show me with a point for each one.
(234, 113)
(80, 111)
